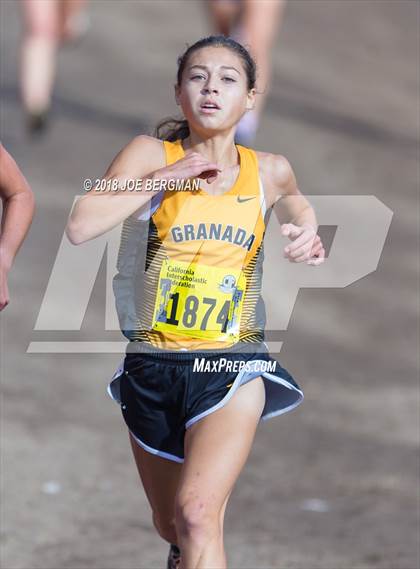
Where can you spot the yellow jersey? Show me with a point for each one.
(196, 282)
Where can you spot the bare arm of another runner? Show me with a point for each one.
(18, 211)
(143, 158)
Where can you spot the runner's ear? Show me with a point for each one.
(250, 102)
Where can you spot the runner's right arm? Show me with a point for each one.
(100, 211)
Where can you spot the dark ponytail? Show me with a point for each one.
(172, 129)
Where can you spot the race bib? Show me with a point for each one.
(200, 301)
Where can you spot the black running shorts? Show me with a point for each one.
(162, 393)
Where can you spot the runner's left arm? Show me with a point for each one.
(295, 213)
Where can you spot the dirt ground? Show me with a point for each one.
(334, 483)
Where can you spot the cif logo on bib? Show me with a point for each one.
(228, 286)
(199, 301)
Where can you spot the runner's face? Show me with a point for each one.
(214, 75)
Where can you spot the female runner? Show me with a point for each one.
(197, 377)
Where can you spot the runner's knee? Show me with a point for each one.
(197, 519)
(166, 528)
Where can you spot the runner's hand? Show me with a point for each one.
(317, 255)
(193, 165)
(306, 244)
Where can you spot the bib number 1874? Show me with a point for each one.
(199, 301)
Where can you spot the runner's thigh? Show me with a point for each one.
(160, 478)
(216, 449)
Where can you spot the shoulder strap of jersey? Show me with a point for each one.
(173, 151)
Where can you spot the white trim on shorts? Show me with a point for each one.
(118, 373)
(152, 450)
(238, 382)
(243, 377)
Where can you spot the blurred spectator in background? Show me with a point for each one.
(252, 23)
(18, 210)
(47, 24)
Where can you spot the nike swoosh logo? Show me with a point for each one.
(244, 199)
